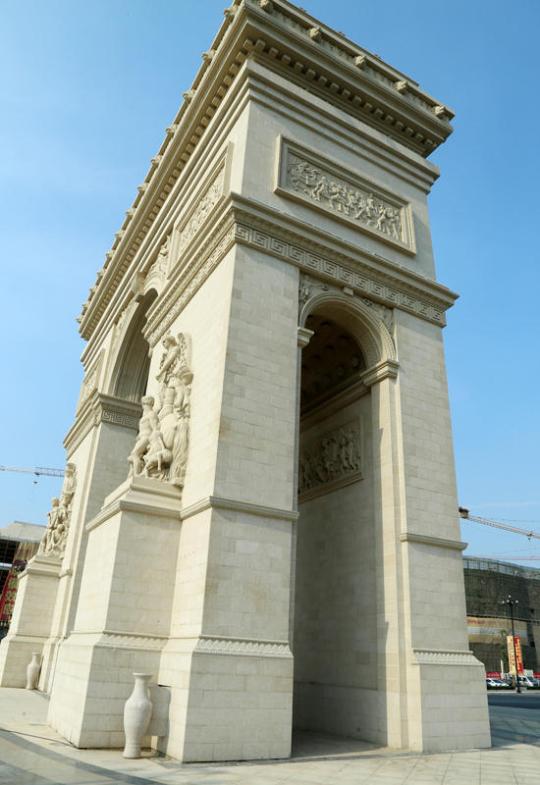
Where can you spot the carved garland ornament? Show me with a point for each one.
(161, 447)
(53, 542)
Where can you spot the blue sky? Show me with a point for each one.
(87, 90)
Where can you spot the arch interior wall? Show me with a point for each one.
(335, 618)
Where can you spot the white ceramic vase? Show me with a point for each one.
(32, 671)
(137, 712)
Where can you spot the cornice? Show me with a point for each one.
(143, 495)
(388, 369)
(243, 647)
(436, 542)
(234, 505)
(40, 564)
(240, 221)
(312, 55)
(444, 657)
(348, 76)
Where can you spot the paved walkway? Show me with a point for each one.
(32, 754)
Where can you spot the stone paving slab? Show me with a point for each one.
(31, 753)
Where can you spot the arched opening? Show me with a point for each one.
(335, 627)
(127, 384)
(133, 362)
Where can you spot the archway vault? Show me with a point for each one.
(132, 363)
(363, 320)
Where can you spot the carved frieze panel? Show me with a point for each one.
(118, 329)
(330, 460)
(190, 224)
(190, 282)
(119, 412)
(160, 266)
(304, 258)
(327, 186)
(90, 381)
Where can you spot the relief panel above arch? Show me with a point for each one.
(327, 186)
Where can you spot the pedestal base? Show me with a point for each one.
(447, 702)
(32, 618)
(231, 699)
(123, 616)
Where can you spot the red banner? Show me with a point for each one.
(514, 645)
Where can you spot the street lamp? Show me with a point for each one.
(510, 603)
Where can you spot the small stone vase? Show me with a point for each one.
(32, 671)
(137, 712)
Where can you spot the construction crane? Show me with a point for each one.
(507, 557)
(464, 513)
(39, 471)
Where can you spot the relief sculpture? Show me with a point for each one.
(331, 458)
(161, 447)
(339, 196)
(53, 542)
(200, 213)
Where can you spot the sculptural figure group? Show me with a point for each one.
(53, 542)
(334, 456)
(161, 447)
(360, 205)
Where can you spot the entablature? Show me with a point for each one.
(97, 408)
(241, 221)
(306, 53)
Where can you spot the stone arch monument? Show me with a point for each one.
(260, 505)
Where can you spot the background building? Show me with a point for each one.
(19, 541)
(487, 582)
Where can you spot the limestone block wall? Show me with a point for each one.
(429, 470)
(258, 416)
(335, 613)
(430, 486)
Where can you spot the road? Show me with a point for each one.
(510, 698)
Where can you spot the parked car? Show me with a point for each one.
(497, 684)
(529, 682)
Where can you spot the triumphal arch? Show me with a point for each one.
(260, 506)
